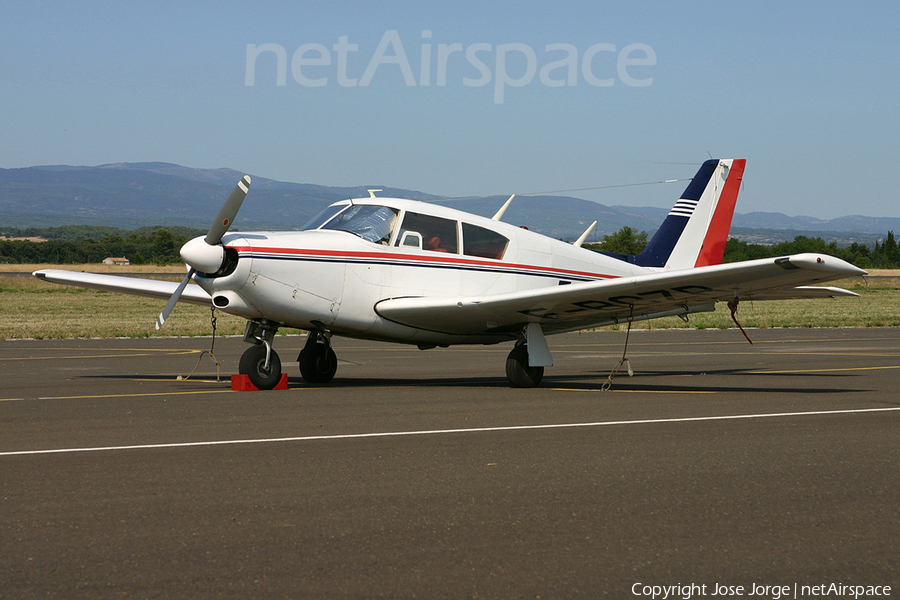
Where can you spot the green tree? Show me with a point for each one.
(164, 247)
(737, 251)
(856, 254)
(803, 244)
(623, 241)
(891, 249)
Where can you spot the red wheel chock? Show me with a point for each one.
(241, 383)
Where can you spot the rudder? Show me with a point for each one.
(695, 231)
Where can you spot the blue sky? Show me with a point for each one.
(806, 91)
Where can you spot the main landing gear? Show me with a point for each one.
(318, 362)
(517, 370)
(525, 363)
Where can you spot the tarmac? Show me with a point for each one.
(424, 475)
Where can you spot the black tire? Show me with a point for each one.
(318, 363)
(253, 362)
(518, 372)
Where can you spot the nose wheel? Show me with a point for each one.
(264, 374)
(260, 362)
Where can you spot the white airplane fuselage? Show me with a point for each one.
(333, 279)
(416, 273)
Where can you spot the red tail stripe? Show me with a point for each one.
(713, 248)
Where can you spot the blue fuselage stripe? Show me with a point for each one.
(502, 270)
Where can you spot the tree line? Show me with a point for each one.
(885, 254)
(81, 244)
(77, 245)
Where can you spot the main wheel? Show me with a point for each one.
(318, 362)
(253, 365)
(517, 370)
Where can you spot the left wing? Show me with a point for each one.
(594, 304)
(151, 288)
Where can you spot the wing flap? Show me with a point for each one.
(594, 304)
(151, 288)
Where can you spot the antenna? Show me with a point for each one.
(584, 235)
(499, 214)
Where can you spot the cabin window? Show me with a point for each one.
(478, 241)
(437, 234)
(372, 223)
(323, 217)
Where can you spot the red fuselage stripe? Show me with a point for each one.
(415, 258)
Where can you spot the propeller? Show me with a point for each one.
(228, 211)
(173, 300)
(207, 254)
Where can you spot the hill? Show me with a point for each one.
(132, 195)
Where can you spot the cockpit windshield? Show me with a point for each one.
(372, 223)
(323, 217)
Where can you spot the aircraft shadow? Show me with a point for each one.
(641, 381)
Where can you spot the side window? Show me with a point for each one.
(478, 241)
(437, 234)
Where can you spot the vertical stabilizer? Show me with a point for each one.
(696, 229)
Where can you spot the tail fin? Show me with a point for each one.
(696, 230)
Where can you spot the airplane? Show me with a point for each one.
(410, 272)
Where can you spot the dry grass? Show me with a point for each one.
(36, 309)
(877, 306)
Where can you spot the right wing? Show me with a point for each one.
(598, 303)
(151, 288)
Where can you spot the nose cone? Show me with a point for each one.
(206, 258)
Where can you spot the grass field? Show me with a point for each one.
(39, 310)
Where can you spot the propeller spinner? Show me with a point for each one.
(207, 254)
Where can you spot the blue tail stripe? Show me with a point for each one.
(660, 247)
(698, 184)
(657, 252)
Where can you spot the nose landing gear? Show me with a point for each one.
(260, 362)
(318, 362)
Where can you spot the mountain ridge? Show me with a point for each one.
(131, 195)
